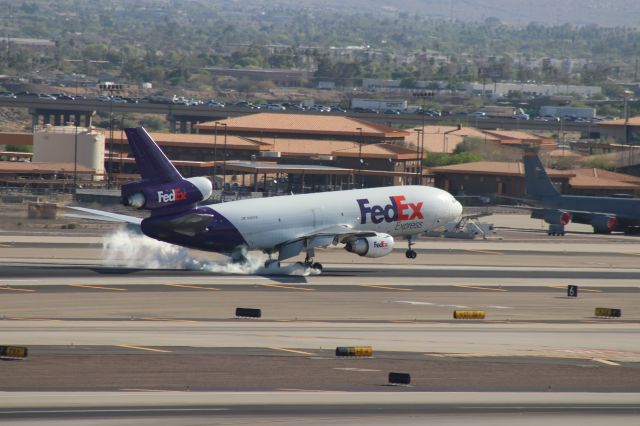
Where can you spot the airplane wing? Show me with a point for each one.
(106, 216)
(319, 238)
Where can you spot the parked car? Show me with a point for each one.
(7, 95)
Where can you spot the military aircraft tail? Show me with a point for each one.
(537, 182)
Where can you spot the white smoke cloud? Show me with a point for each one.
(125, 248)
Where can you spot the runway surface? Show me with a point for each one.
(157, 342)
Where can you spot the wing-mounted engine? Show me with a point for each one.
(374, 246)
(603, 223)
(148, 196)
(553, 217)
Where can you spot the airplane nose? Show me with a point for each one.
(456, 210)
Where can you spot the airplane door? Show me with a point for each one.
(318, 217)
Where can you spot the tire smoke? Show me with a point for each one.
(125, 248)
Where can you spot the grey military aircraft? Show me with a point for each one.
(605, 214)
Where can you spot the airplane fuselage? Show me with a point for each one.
(262, 223)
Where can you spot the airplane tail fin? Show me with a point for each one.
(162, 188)
(152, 164)
(537, 182)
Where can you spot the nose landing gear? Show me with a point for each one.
(410, 253)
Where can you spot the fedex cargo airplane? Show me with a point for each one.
(366, 221)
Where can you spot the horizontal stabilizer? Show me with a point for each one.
(108, 216)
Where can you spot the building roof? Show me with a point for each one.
(309, 147)
(12, 167)
(283, 123)
(578, 178)
(564, 153)
(379, 150)
(447, 138)
(202, 141)
(633, 121)
(515, 137)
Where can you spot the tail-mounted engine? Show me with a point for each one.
(375, 246)
(143, 195)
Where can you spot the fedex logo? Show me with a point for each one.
(380, 244)
(175, 194)
(396, 211)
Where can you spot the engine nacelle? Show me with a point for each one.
(142, 195)
(603, 223)
(377, 246)
(555, 217)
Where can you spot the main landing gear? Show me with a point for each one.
(309, 263)
(410, 253)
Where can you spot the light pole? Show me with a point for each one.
(215, 151)
(75, 157)
(360, 183)
(224, 159)
(420, 136)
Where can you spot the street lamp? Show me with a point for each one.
(360, 183)
(224, 159)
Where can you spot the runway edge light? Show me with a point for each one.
(468, 314)
(354, 351)
(248, 313)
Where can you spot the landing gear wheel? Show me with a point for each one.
(270, 262)
(317, 266)
(411, 254)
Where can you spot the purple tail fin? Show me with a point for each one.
(152, 164)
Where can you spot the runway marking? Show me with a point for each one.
(484, 251)
(34, 319)
(97, 287)
(17, 289)
(605, 361)
(581, 289)
(386, 288)
(481, 288)
(355, 369)
(193, 286)
(411, 302)
(166, 319)
(287, 286)
(143, 348)
(292, 350)
(308, 390)
(149, 390)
